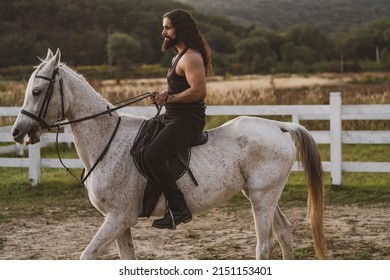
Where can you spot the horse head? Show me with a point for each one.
(43, 102)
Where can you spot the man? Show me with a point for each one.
(184, 118)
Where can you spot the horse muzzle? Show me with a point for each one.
(26, 136)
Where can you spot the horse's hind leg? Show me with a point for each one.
(265, 243)
(263, 208)
(282, 231)
(124, 242)
(281, 228)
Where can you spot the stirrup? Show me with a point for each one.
(172, 217)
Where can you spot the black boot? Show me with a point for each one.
(172, 218)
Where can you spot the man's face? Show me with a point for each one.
(169, 35)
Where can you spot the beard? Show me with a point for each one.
(168, 43)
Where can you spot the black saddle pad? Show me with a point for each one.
(178, 164)
(148, 131)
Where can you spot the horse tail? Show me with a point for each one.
(309, 158)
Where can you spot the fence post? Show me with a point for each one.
(295, 119)
(335, 140)
(68, 130)
(34, 157)
(19, 149)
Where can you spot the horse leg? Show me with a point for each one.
(124, 242)
(282, 230)
(261, 230)
(263, 213)
(113, 226)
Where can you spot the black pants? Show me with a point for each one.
(173, 138)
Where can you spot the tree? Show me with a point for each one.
(254, 52)
(291, 52)
(220, 41)
(312, 38)
(122, 50)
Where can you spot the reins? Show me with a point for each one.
(42, 113)
(108, 111)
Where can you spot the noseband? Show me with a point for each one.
(45, 105)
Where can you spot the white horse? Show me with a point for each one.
(247, 154)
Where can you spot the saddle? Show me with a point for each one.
(178, 165)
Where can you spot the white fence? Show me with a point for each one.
(335, 112)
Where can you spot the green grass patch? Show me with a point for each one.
(304, 253)
(57, 190)
(362, 189)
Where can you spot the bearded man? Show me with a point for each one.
(184, 117)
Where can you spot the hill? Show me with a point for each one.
(329, 15)
(299, 37)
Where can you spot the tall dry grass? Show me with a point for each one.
(297, 90)
(246, 90)
(11, 94)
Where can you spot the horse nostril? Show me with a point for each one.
(15, 132)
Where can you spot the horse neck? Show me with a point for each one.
(91, 136)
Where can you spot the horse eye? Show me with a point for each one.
(36, 92)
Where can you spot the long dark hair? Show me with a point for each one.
(187, 32)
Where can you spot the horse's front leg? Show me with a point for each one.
(124, 242)
(113, 228)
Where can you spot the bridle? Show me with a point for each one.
(40, 118)
(45, 105)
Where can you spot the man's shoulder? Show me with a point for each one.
(191, 61)
(192, 56)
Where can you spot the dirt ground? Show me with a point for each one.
(351, 232)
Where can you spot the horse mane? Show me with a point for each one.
(80, 77)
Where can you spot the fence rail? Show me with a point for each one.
(335, 112)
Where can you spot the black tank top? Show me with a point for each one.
(178, 84)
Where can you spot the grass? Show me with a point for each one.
(362, 189)
(57, 190)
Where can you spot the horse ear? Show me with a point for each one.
(57, 57)
(48, 56)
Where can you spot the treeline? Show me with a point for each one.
(126, 34)
(331, 16)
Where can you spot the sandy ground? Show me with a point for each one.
(352, 233)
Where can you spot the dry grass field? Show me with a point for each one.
(364, 88)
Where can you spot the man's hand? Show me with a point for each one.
(161, 98)
(152, 99)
